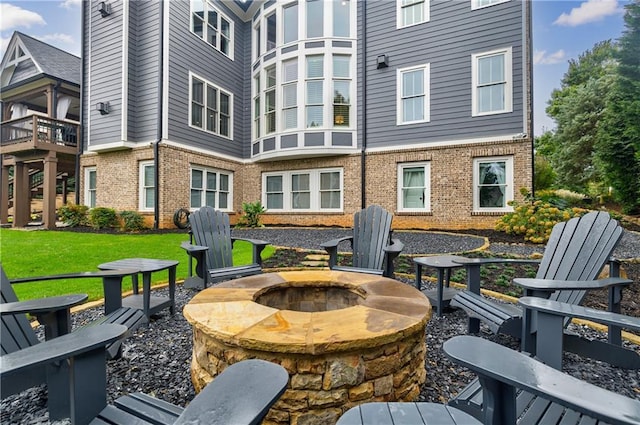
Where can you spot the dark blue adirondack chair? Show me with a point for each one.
(372, 244)
(213, 247)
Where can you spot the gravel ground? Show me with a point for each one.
(157, 357)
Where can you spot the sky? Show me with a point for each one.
(562, 30)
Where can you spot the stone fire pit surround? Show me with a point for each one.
(360, 339)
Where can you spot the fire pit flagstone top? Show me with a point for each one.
(314, 312)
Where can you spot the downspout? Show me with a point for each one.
(156, 145)
(363, 165)
(528, 11)
(83, 80)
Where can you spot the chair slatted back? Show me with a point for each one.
(211, 228)
(578, 249)
(16, 332)
(371, 233)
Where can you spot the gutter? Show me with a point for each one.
(363, 157)
(156, 144)
(83, 81)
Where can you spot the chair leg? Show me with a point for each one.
(88, 386)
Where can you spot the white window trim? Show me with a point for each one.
(427, 188)
(426, 17)
(427, 95)
(475, 4)
(141, 204)
(87, 190)
(314, 186)
(209, 6)
(508, 179)
(206, 170)
(508, 87)
(220, 90)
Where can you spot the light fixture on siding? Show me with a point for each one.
(104, 8)
(382, 61)
(102, 107)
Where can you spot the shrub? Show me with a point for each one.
(534, 219)
(131, 221)
(251, 214)
(102, 217)
(73, 215)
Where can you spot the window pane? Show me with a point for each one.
(224, 125)
(341, 19)
(92, 179)
(274, 184)
(413, 109)
(290, 117)
(492, 197)
(197, 90)
(314, 116)
(341, 92)
(290, 70)
(149, 175)
(315, 66)
(210, 199)
(341, 66)
(224, 182)
(223, 202)
(491, 69)
(196, 115)
(315, 18)
(270, 99)
(196, 179)
(224, 103)
(225, 28)
(274, 201)
(329, 181)
(212, 97)
(413, 83)
(198, 16)
(330, 200)
(211, 181)
(149, 198)
(301, 200)
(271, 32)
(271, 76)
(300, 182)
(289, 95)
(491, 98)
(196, 198)
(314, 92)
(211, 119)
(212, 19)
(290, 17)
(258, 41)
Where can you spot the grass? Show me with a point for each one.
(43, 252)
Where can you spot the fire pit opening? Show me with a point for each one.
(309, 298)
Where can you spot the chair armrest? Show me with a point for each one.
(557, 308)
(80, 275)
(193, 249)
(501, 370)
(535, 286)
(241, 394)
(42, 305)
(81, 341)
(472, 267)
(332, 248)
(396, 247)
(258, 246)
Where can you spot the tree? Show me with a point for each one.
(577, 108)
(618, 146)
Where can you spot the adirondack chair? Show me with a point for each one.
(213, 249)
(575, 254)
(547, 395)
(373, 246)
(241, 395)
(17, 336)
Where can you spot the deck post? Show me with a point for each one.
(49, 191)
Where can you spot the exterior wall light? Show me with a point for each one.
(102, 107)
(382, 61)
(104, 8)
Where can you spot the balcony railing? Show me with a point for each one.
(37, 130)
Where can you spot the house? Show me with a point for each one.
(40, 94)
(316, 108)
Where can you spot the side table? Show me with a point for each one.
(147, 303)
(442, 295)
(406, 413)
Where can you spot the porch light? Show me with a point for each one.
(382, 61)
(102, 107)
(104, 8)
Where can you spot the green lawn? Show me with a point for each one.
(43, 252)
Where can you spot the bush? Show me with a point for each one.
(251, 214)
(534, 219)
(131, 221)
(102, 217)
(73, 215)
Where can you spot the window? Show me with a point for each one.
(147, 186)
(211, 188)
(290, 19)
(492, 82)
(256, 107)
(314, 91)
(493, 184)
(270, 100)
(290, 94)
(257, 41)
(413, 96)
(90, 186)
(315, 18)
(210, 107)
(341, 18)
(478, 4)
(271, 32)
(341, 90)
(412, 12)
(303, 190)
(212, 26)
(414, 189)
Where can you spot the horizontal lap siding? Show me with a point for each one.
(446, 42)
(105, 67)
(187, 52)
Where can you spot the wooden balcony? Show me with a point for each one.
(37, 133)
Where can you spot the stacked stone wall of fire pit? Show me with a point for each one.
(371, 351)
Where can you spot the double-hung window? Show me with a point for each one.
(478, 4)
(90, 186)
(256, 107)
(493, 184)
(315, 91)
(210, 107)
(211, 188)
(290, 94)
(212, 26)
(303, 190)
(271, 32)
(414, 188)
(412, 12)
(147, 186)
(492, 82)
(413, 95)
(270, 100)
(341, 90)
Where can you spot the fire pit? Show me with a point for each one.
(345, 338)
